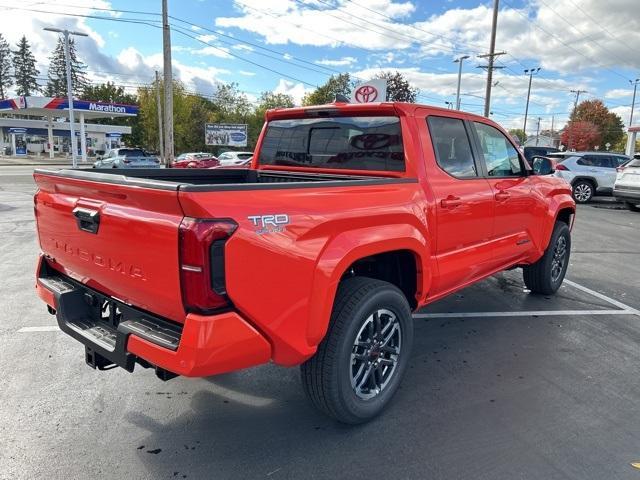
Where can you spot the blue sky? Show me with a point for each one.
(308, 40)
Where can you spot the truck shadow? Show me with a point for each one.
(258, 423)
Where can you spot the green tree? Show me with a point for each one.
(609, 125)
(336, 85)
(57, 76)
(26, 72)
(269, 100)
(398, 87)
(519, 134)
(5, 67)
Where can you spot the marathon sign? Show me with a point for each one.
(89, 106)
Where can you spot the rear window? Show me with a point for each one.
(355, 143)
(245, 156)
(131, 152)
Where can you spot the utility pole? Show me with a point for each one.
(633, 102)
(538, 131)
(160, 142)
(531, 72)
(168, 86)
(575, 106)
(553, 140)
(459, 60)
(67, 60)
(577, 92)
(491, 56)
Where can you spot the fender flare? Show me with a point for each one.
(343, 250)
(553, 214)
(585, 177)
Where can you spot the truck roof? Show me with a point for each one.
(387, 108)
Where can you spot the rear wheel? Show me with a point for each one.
(360, 362)
(547, 274)
(632, 206)
(583, 191)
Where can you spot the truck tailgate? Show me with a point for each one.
(118, 238)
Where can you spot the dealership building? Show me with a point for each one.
(40, 126)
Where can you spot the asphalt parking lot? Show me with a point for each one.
(502, 385)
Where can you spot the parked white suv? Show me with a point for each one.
(627, 186)
(229, 159)
(589, 173)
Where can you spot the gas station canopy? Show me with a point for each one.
(59, 107)
(52, 107)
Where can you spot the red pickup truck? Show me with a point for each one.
(350, 218)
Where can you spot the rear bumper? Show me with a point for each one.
(627, 194)
(203, 346)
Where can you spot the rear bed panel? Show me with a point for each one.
(133, 256)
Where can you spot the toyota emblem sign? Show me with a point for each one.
(371, 91)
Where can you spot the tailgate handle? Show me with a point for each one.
(88, 220)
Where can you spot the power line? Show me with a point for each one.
(551, 34)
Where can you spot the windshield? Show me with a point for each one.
(355, 143)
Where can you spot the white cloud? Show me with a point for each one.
(220, 52)
(296, 90)
(246, 73)
(340, 62)
(557, 35)
(618, 93)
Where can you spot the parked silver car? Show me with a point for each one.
(627, 186)
(127, 158)
(589, 173)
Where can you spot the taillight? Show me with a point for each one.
(561, 167)
(620, 169)
(202, 277)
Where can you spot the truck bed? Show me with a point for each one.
(218, 179)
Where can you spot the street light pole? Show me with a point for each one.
(459, 60)
(633, 102)
(531, 72)
(67, 60)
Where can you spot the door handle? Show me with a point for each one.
(451, 202)
(502, 196)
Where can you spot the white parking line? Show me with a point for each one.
(47, 328)
(624, 310)
(525, 313)
(601, 296)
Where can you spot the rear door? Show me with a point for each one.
(515, 203)
(464, 204)
(119, 238)
(601, 168)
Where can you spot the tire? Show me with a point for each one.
(583, 191)
(546, 275)
(328, 376)
(632, 206)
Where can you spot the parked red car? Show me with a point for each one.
(349, 218)
(195, 160)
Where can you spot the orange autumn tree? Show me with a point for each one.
(581, 135)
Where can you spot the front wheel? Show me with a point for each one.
(359, 364)
(547, 274)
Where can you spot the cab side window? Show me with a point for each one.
(452, 146)
(500, 155)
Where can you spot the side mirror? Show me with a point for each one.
(542, 166)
